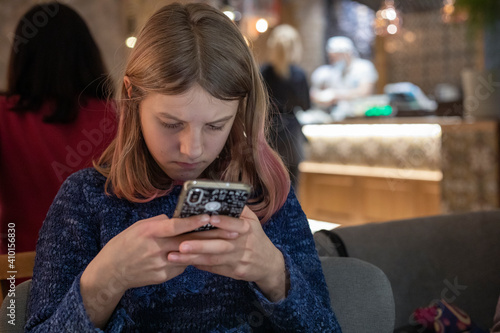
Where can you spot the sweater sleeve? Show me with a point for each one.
(68, 241)
(307, 305)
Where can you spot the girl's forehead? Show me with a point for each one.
(195, 104)
(195, 94)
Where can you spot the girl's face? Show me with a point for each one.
(185, 133)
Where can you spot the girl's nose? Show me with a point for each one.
(191, 144)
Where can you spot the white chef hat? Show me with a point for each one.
(340, 44)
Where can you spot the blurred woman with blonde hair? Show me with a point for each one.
(288, 91)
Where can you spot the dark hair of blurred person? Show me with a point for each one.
(54, 116)
(60, 62)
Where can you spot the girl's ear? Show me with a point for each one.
(128, 85)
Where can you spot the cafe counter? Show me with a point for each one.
(369, 170)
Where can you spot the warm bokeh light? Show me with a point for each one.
(450, 14)
(230, 14)
(261, 25)
(390, 13)
(130, 42)
(387, 19)
(391, 46)
(410, 36)
(448, 9)
(392, 29)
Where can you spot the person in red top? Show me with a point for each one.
(55, 117)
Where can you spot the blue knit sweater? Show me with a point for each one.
(82, 219)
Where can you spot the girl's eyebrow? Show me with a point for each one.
(167, 115)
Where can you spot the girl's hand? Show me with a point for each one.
(245, 253)
(138, 256)
(135, 257)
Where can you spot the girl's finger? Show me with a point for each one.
(211, 234)
(231, 224)
(209, 246)
(178, 226)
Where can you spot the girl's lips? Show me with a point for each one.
(187, 165)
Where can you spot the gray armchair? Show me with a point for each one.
(454, 257)
(360, 294)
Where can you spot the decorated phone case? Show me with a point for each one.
(212, 198)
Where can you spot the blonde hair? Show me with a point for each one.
(180, 46)
(285, 48)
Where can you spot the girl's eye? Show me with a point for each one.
(216, 128)
(173, 126)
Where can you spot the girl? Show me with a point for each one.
(110, 255)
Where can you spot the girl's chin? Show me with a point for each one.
(182, 177)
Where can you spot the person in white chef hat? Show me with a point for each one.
(346, 77)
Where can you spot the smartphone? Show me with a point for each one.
(213, 198)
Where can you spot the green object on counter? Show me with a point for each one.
(378, 111)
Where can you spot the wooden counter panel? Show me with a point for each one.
(384, 199)
(359, 199)
(328, 205)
